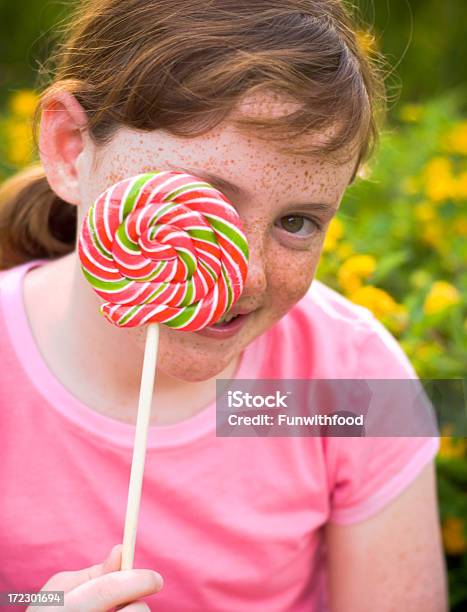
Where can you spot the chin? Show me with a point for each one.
(191, 372)
(187, 357)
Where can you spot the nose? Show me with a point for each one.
(256, 280)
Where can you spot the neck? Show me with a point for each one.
(98, 362)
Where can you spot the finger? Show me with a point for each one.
(110, 590)
(65, 581)
(114, 561)
(136, 606)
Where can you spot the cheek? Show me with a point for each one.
(291, 275)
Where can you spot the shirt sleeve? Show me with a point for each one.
(367, 473)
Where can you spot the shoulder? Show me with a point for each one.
(322, 305)
(12, 278)
(342, 339)
(335, 306)
(14, 321)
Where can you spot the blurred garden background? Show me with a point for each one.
(399, 243)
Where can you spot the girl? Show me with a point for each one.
(273, 103)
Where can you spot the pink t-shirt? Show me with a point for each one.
(232, 524)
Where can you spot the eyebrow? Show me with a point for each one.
(224, 185)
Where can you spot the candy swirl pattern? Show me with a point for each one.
(164, 247)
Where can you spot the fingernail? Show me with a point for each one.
(113, 550)
(159, 579)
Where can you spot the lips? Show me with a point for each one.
(227, 330)
(228, 316)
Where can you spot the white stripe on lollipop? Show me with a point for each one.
(133, 297)
(91, 258)
(217, 201)
(123, 199)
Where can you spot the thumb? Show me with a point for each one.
(65, 581)
(111, 564)
(114, 560)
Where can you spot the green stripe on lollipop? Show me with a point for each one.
(207, 267)
(130, 200)
(189, 187)
(102, 250)
(152, 275)
(189, 294)
(229, 232)
(188, 260)
(155, 293)
(129, 314)
(122, 237)
(230, 294)
(106, 285)
(183, 318)
(203, 234)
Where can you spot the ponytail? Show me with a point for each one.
(34, 222)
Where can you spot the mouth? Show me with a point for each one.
(227, 326)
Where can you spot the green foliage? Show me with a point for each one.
(409, 216)
(27, 36)
(398, 246)
(424, 41)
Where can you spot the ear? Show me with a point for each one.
(61, 141)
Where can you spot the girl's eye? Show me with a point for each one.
(298, 225)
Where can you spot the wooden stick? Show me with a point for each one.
(139, 448)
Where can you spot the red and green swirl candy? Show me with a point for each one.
(164, 247)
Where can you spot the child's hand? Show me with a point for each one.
(101, 587)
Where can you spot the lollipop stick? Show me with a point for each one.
(139, 448)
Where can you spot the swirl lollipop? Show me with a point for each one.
(163, 247)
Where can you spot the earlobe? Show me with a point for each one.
(61, 141)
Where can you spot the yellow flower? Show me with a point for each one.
(460, 187)
(425, 212)
(434, 235)
(459, 226)
(441, 295)
(354, 270)
(455, 140)
(334, 233)
(439, 180)
(410, 185)
(431, 229)
(454, 539)
(344, 249)
(411, 113)
(397, 320)
(427, 351)
(420, 278)
(381, 304)
(451, 448)
(23, 103)
(366, 41)
(20, 143)
(408, 346)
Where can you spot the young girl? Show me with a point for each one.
(273, 103)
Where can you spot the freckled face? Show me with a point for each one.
(285, 233)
